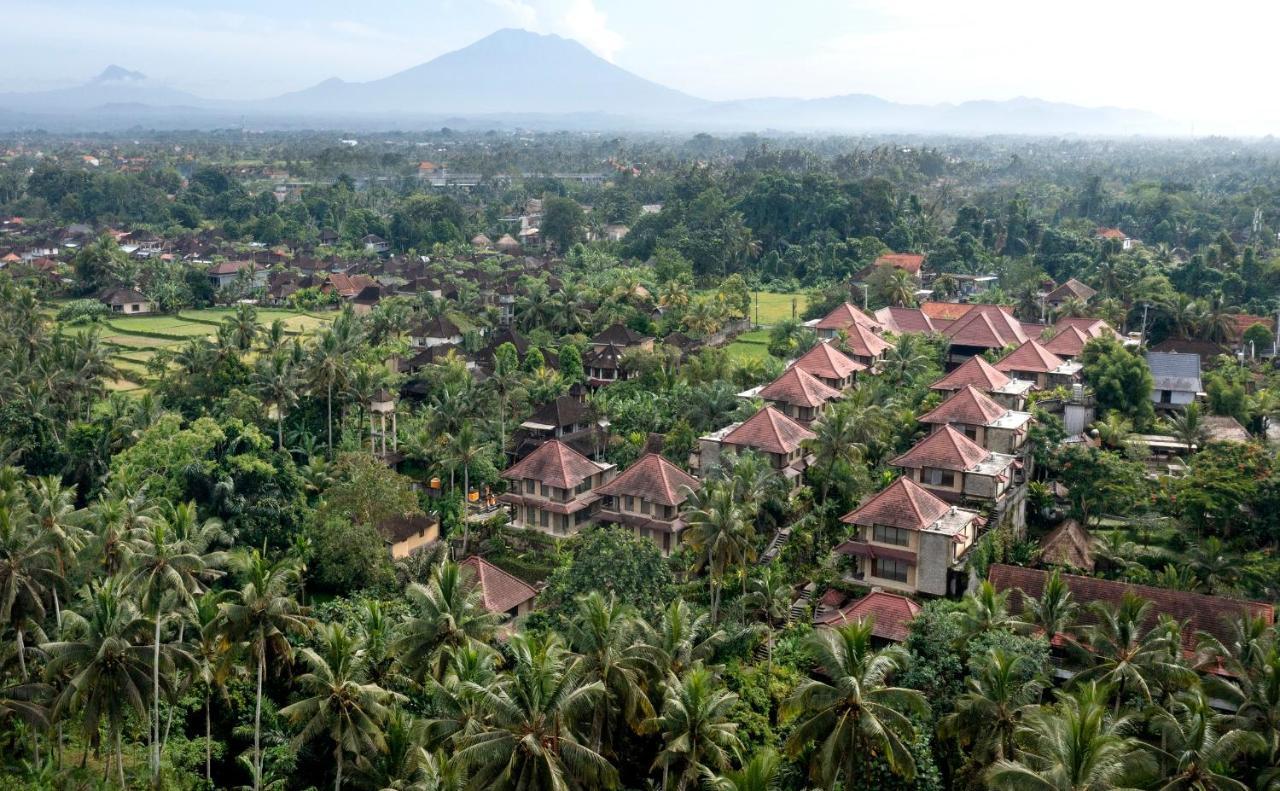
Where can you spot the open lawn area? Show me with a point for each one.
(752, 345)
(775, 307)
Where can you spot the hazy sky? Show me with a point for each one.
(1205, 63)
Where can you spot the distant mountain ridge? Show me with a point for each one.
(514, 77)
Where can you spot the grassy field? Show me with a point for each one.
(752, 345)
(775, 307)
(136, 339)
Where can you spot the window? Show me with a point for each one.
(542, 489)
(970, 431)
(1166, 396)
(528, 486)
(936, 477)
(891, 535)
(544, 518)
(888, 569)
(644, 506)
(629, 503)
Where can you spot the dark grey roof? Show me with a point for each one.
(1174, 371)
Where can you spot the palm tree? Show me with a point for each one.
(243, 324)
(985, 610)
(166, 573)
(1114, 430)
(447, 613)
(899, 288)
(718, 534)
(104, 652)
(467, 449)
(604, 634)
(1215, 565)
(53, 507)
(1198, 746)
(403, 764)
(683, 637)
(904, 361)
(1054, 613)
(1126, 655)
(1076, 745)
(836, 442)
(769, 595)
(276, 382)
(530, 739)
(329, 359)
(338, 703)
(849, 709)
(758, 774)
(28, 573)
(697, 728)
(987, 715)
(1188, 427)
(263, 614)
(216, 663)
(457, 709)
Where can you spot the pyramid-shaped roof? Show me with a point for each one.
(903, 503)
(975, 371)
(799, 387)
(865, 343)
(947, 449)
(828, 362)
(844, 316)
(1030, 357)
(968, 406)
(770, 431)
(555, 464)
(1069, 342)
(1071, 288)
(903, 320)
(500, 590)
(653, 478)
(986, 326)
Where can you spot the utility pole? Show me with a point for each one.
(1142, 343)
(864, 296)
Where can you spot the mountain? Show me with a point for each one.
(514, 78)
(508, 72)
(115, 86)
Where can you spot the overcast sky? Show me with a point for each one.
(1207, 64)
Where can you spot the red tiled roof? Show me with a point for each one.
(1069, 342)
(1111, 233)
(770, 431)
(845, 316)
(828, 362)
(968, 406)
(986, 326)
(910, 262)
(903, 503)
(501, 591)
(799, 387)
(974, 371)
(890, 615)
(949, 311)
(231, 267)
(1243, 321)
(903, 320)
(1071, 288)
(1030, 357)
(1198, 611)
(862, 342)
(1091, 327)
(947, 449)
(555, 464)
(653, 478)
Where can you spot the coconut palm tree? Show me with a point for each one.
(276, 381)
(849, 710)
(404, 764)
(216, 660)
(837, 441)
(446, 614)
(531, 737)
(719, 535)
(987, 715)
(604, 634)
(457, 709)
(328, 372)
(1054, 613)
(466, 449)
(104, 652)
(684, 637)
(1188, 427)
(1126, 655)
(905, 360)
(758, 774)
(1198, 746)
(1114, 430)
(899, 288)
(696, 727)
(339, 703)
(28, 573)
(769, 595)
(985, 610)
(53, 507)
(262, 614)
(1075, 745)
(243, 324)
